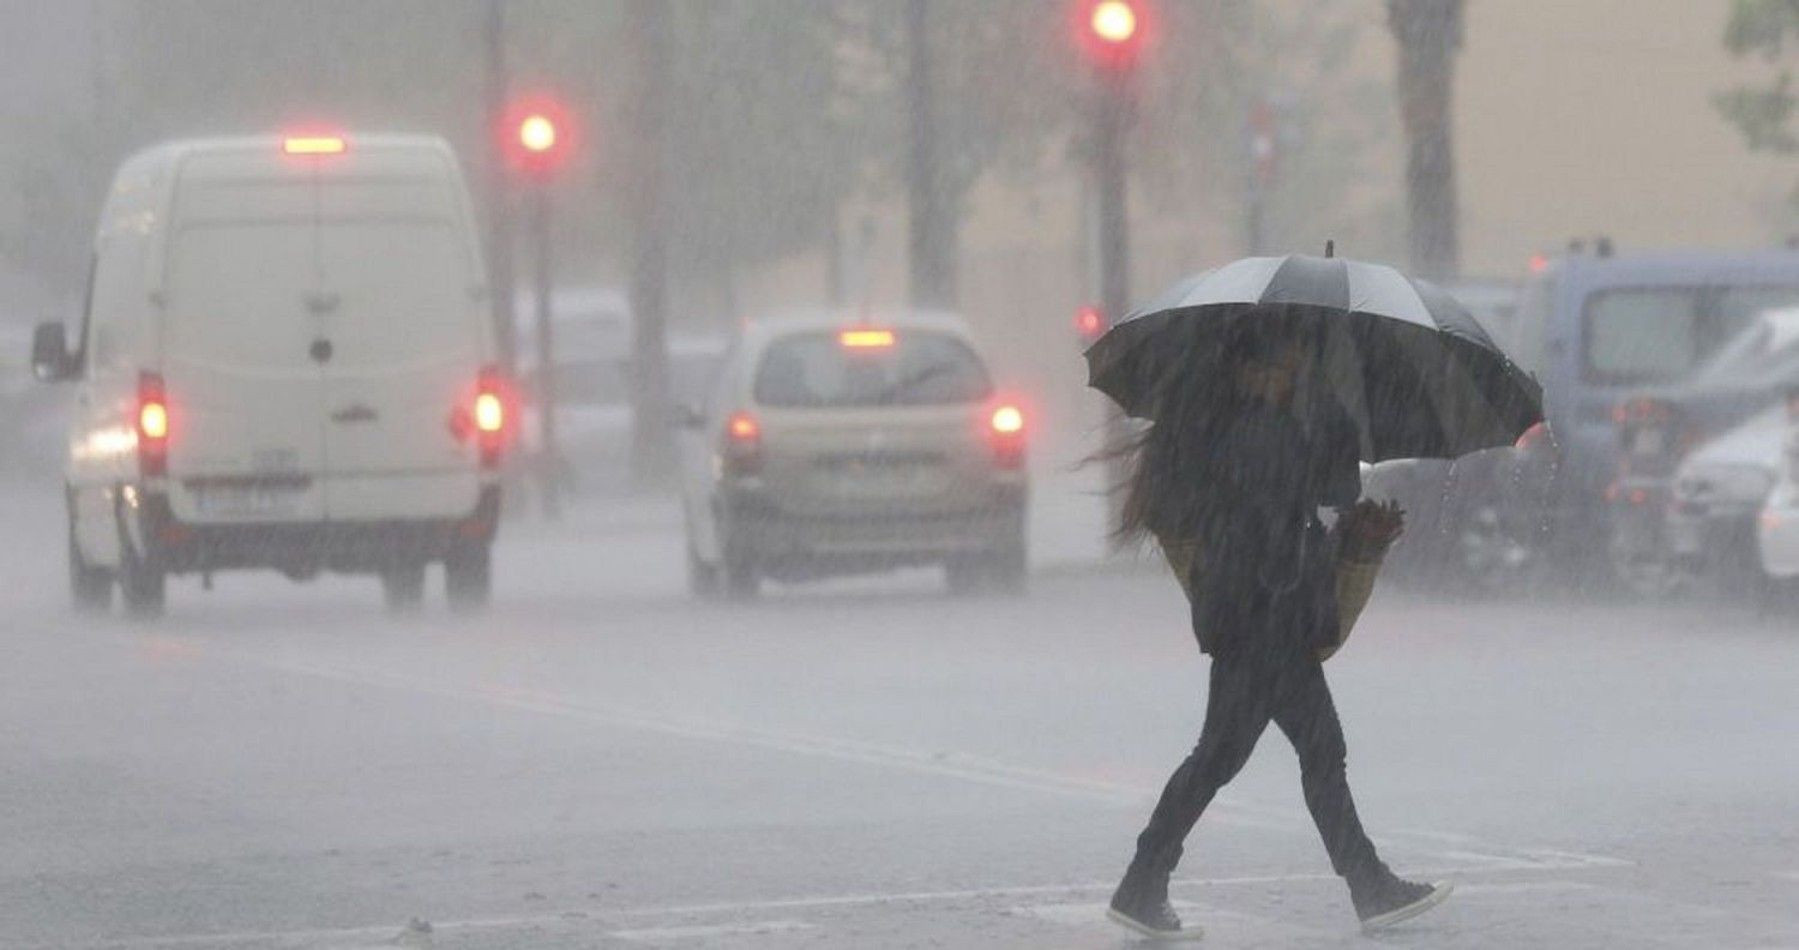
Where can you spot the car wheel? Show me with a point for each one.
(1004, 569)
(1647, 573)
(403, 587)
(468, 576)
(1010, 568)
(702, 578)
(90, 588)
(142, 585)
(743, 581)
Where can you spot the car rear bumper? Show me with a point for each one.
(772, 533)
(306, 547)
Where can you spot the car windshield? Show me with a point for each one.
(1640, 336)
(903, 368)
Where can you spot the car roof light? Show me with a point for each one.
(866, 339)
(314, 145)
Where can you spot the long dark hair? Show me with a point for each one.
(1167, 466)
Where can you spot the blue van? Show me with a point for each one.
(1595, 328)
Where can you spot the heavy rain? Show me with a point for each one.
(899, 473)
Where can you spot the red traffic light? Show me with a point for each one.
(1113, 21)
(1112, 31)
(537, 133)
(1090, 323)
(537, 137)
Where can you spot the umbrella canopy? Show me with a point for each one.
(1417, 373)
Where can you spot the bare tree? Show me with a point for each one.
(1429, 34)
(932, 240)
(651, 451)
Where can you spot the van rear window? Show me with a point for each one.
(1645, 335)
(909, 368)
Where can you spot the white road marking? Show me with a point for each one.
(738, 909)
(1207, 917)
(960, 766)
(1521, 887)
(701, 932)
(949, 765)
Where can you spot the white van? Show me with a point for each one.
(287, 361)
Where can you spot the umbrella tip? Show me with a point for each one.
(1330, 248)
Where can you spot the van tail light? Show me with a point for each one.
(742, 448)
(492, 415)
(152, 425)
(1005, 433)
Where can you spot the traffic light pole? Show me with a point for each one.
(1112, 115)
(550, 455)
(499, 190)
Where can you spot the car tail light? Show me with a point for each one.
(152, 425)
(1005, 432)
(742, 444)
(491, 414)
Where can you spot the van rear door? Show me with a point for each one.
(407, 336)
(245, 395)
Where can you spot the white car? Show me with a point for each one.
(832, 447)
(592, 335)
(1777, 527)
(1718, 490)
(287, 361)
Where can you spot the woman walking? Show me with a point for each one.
(1230, 480)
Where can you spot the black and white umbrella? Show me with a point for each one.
(1415, 370)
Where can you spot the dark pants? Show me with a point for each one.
(1245, 695)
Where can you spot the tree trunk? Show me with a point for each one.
(932, 240)
(652, 452)
(1429, 33)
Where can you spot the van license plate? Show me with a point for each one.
(240, 500)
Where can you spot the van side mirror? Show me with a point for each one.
(51, 360)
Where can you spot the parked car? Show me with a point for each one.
(1718, 491)
(1598, 329)
(835, 447)
(1658, 499)
(286, 361)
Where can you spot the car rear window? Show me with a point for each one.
(906, 368)
(1644, 335)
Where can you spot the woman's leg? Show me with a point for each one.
(1303, 709)
(1238, 707)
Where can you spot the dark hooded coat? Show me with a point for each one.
(1243, 532)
